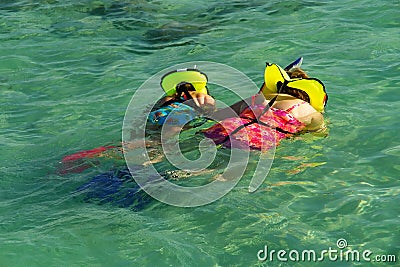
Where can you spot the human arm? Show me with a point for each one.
(205, 102)
(303, 112)
(316, 122)
(233, 110)
(197, 100)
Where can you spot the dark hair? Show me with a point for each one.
(184, 86)
(297, 73)
(296, 93)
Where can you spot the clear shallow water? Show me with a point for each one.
(68, 71)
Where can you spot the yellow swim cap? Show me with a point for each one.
(276, 80)
(195, 77)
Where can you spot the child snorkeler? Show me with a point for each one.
(185, 103)
(186, 100)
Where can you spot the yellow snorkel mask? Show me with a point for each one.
(171, 80)
(278, 81)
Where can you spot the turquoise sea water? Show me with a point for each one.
(68, 70)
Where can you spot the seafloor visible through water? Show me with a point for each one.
(68, 70)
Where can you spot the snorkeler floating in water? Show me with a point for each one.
(186, 99)
(288, 102)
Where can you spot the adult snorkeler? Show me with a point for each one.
(288, 102)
